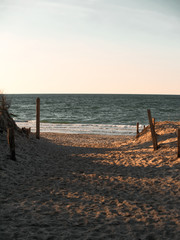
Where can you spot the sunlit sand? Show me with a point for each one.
(70, 186)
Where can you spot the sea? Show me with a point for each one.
(109, 114)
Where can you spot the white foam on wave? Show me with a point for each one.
(104, 129)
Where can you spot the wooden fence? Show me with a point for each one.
(11, 138)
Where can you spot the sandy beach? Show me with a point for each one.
(71, 186)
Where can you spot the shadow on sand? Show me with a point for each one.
(95, 193)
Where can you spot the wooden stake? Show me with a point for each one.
(178, 142)
(153, 122)
(38, 118)
(153, 134)
(11, 142)
(137, 131)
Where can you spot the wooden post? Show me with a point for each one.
(153, 134)
(153, 122)
(38, 118)
(11, 142)
(178, 142)
(137, 131)
(29, 131)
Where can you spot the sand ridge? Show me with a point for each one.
(72, 186)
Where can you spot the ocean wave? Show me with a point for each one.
(103, 129)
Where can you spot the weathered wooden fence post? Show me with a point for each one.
(153, 134)
(38, 118)
(178, 142)
(153, 122)
(137, 128)
(11, 142)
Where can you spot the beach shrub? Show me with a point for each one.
(4, 104)
(6, 120)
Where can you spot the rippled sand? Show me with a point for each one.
(67, 186)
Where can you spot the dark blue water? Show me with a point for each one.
(98, 109)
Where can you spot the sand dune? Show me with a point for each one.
(67, 186)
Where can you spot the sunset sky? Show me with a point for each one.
(90, 46)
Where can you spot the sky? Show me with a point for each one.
(90, 46)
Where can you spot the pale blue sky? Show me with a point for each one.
(90, 46)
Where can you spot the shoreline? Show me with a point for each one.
(82, 186)
(74, 128)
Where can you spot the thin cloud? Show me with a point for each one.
(69, 8)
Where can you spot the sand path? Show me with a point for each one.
(91, 187)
